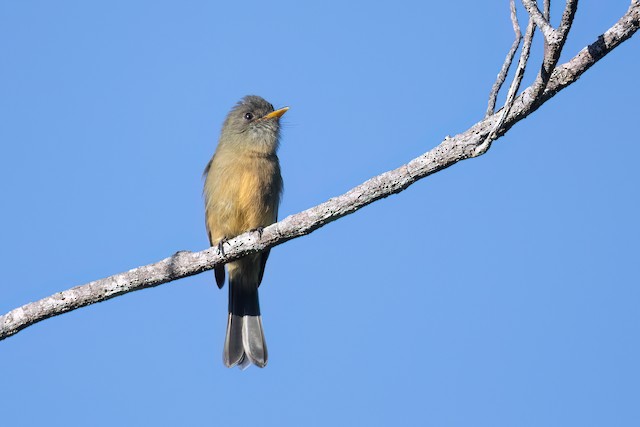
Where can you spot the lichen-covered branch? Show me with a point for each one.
(447, 153)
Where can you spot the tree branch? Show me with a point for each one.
(540, 20)
(502, 75)
(553, 48)
(447, 153)
(546, 13)
(513, 89)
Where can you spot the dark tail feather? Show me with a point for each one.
(244, 343)
(219, 273)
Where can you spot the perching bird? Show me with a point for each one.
(242, 191)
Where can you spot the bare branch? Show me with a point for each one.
(567, 18)
(546, 12)
(502, 75)
(566, 74)
(539, 19)
(448, 153)
(554, 48)
(513, 89)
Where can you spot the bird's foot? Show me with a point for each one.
(258, 230)
(221, 243)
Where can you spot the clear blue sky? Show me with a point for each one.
(503, 291)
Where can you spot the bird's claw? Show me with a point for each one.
(221, 245)
(258, 230)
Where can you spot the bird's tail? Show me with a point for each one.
(244, 343)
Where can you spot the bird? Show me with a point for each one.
(242, 190)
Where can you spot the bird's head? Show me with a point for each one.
(253, 123)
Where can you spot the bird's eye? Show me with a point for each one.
(248, 116)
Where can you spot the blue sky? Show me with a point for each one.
(503, 291)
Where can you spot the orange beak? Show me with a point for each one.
(276, 114)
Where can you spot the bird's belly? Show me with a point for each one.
(254, 202)
(243, 200)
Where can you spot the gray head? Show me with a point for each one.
(253, 122)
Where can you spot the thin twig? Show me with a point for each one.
(537, 16)
(546, 13)
(448, 153)
(502, 75)
(513, 89)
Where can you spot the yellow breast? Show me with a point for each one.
(241, 193)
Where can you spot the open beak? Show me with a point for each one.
(276, 114)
